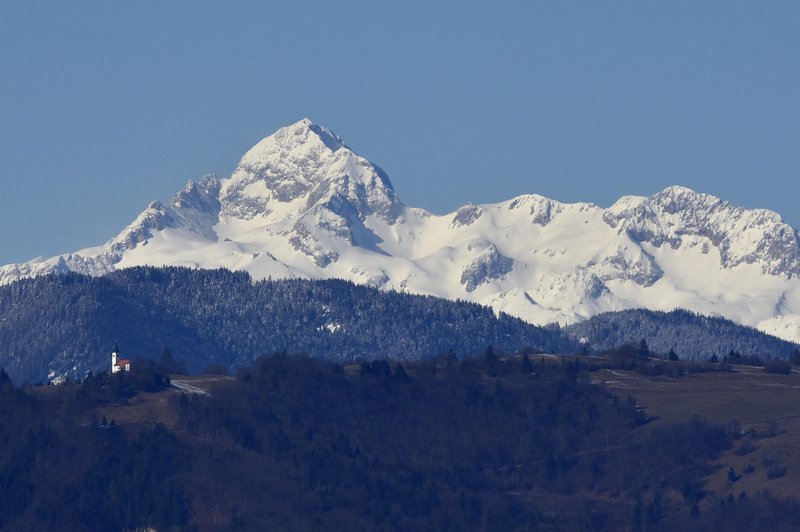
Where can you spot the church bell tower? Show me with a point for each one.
(114, 355)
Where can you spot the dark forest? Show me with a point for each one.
(512, 443)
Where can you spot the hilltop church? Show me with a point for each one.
(119, 364)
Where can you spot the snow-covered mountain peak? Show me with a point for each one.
(541, 209)
(679, 217)
(303, 139)
(677, 198)
(203, 195)
(625, 203)
(680, 190)
(302, 203)
(307, 162)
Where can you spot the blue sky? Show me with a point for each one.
(105, 106)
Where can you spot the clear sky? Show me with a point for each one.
(107, 105)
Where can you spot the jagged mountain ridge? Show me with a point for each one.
(303, 204)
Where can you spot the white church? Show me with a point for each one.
(119, 364)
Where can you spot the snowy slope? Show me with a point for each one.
(301, 203)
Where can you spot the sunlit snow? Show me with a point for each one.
(301, 203)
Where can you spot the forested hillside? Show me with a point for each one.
(691, 336)
(69, 323)
(300, 444)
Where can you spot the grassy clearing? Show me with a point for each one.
(766, 406)
(146, 408)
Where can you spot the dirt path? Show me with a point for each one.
(186, 386)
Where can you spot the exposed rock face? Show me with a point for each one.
(197, 206)
(641, 270)
(490, 265)
(466, 215)
(541, 210)
(301, 203)
(672, 217)
(155, 218)
(304, 242)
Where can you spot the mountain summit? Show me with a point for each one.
(302, 203)
(308, 164)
